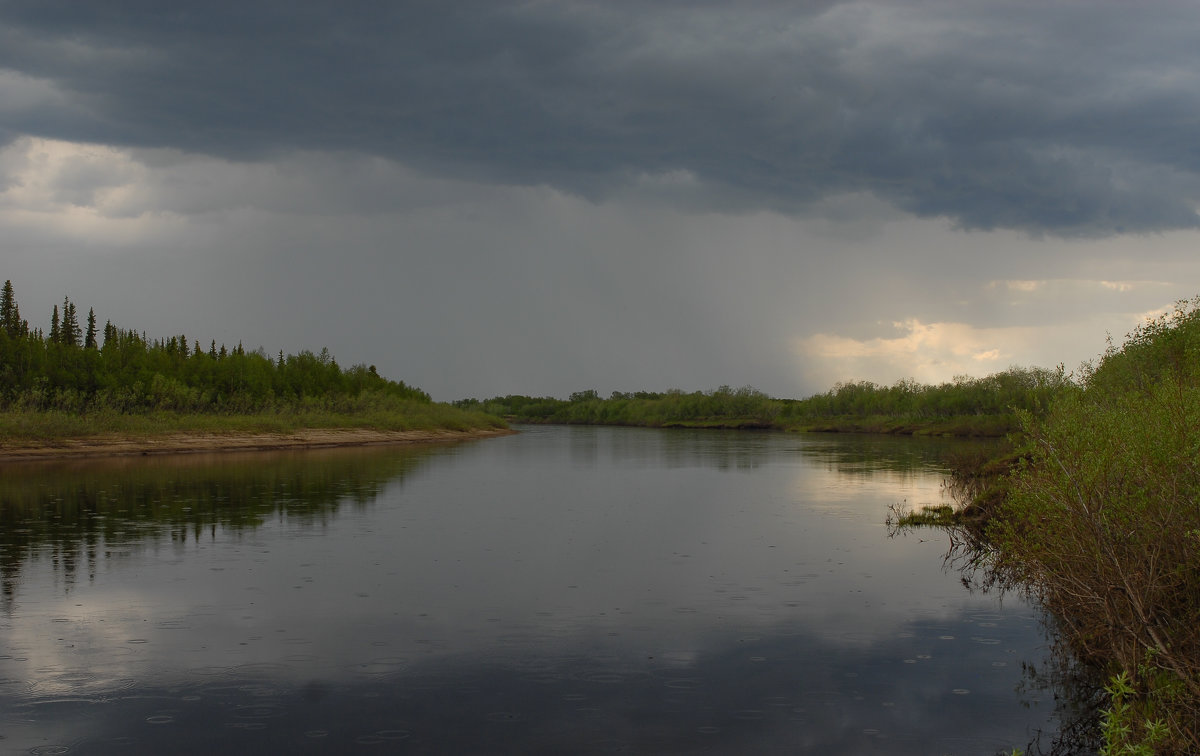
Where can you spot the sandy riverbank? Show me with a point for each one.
(183, 443)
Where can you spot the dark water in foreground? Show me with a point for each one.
(566, 590)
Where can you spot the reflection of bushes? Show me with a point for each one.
(1102, 521)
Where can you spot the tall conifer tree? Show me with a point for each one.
(89, 340)
(10, 314)
(69, 331)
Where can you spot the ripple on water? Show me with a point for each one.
(265, 710)
(65, 702)
(542, 679)
(382, 737)
(77, 677)
(210, 671)
(265, 669)
(383, 666)
(394, 734)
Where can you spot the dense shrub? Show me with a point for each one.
(965, 406)
(1102, 522)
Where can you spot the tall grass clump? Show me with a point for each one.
(1101, 520)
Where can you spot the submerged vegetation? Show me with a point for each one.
(964, 407)
(83, 381)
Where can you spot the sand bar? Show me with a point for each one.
(183, 443)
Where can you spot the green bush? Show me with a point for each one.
(1102, 521)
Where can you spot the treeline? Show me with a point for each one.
(724, 407)
(964, 406)
(80, 368)
(1100, 518)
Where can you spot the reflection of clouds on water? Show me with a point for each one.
(554, 584)
(783, 690)
(831, 488)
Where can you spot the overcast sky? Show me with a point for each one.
(539, 197)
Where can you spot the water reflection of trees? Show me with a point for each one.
(78, 513)
(747, 450)
(864, 455)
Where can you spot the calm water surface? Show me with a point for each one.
(565, 590)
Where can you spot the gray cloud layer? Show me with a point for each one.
(1059, 118)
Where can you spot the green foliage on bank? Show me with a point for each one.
(80, 380)
(1100, 518)
(963, 407)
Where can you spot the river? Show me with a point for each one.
(563, 590)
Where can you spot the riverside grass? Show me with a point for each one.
(27, 427)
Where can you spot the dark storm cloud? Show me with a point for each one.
(1065, 118)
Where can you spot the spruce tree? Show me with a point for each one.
(89, 340)
(69, 331)
(10, 314)
(55, 333)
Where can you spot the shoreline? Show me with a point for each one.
(189, 443)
